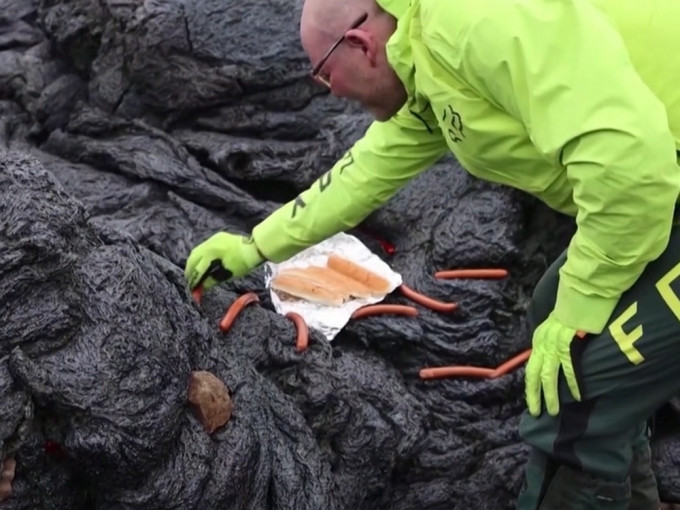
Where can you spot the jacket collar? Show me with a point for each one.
(398, 48)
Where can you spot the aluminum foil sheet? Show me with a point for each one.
(330, 320)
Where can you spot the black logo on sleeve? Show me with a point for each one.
(298, 203)
(347, 160)
(324, 182)
(455, 129)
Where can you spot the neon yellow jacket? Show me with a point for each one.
(545, 96)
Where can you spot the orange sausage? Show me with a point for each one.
(367, 311)
(441, 372)
(197, 294)
(463, 371)
(516, 361)
(302, 331)
(511, 364)
(427, 301)
(471, 273)
(235, 309)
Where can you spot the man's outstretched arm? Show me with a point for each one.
(368, 175)
(388, 156)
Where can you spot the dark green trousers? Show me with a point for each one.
(595, 454)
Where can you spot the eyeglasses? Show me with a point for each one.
(317, 68)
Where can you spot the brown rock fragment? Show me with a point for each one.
(210, 400)
(6, 478)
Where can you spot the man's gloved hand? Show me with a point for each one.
(550, 351)
(220, 258)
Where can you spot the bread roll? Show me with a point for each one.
(307, 289)
(313, 277)
(331, 277)
(368, 278)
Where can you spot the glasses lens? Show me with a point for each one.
(317, 68)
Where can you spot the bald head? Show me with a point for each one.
(357, 67)
(330, 17)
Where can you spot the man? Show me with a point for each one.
(574, 101)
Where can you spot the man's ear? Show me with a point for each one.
(363, 39)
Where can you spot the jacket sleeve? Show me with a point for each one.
(385, 159)
(560, 68)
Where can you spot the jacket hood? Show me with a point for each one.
(398, 48)
(395, 7)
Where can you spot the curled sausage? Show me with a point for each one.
(463, 371)
(511, 364)
(426, 301)
(471, 273)
(235, 309)
(302, 331)
(367, 311)
(455, 371)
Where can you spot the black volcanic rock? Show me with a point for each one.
(130, 131)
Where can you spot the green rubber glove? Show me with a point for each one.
(220, 258)
(550, 351)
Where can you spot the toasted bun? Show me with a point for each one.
(368, 278)
(331, 277)
(306, 289)
(314, 277)
(331, 284)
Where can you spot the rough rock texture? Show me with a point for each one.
(130, 130)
